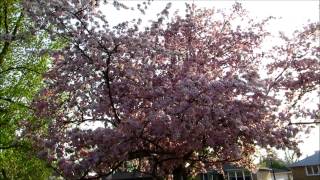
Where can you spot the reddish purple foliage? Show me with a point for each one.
(188, 92)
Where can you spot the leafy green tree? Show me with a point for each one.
(22, 63)
(273, 161)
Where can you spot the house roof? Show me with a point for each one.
(310, 160)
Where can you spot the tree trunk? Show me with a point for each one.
(180, 174)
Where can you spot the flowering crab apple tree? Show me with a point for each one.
(175, 98)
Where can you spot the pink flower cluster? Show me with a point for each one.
(183, 94)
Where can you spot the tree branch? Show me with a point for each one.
(19, 68)
(99, 176)
(107, 79)
(3, 172)
(300, 123)
(12, 145)
(7, 43)
(13, 102)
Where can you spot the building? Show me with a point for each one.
(128, 176)
(273, 174)
(238, 173)
(307, 168)
(231, 173)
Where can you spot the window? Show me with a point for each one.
(205, 177)
(313, 170)
(309, 170)
(211, 176)
(247, 175)
(316, 169)
(239, 175)
(232, 175)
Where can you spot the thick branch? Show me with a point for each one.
(6, 17)
(107, 79)
(4, 175)
(10, 146)
(301, 123)
(19, 68)
(5, 48)
(13, 102)
(99, 176)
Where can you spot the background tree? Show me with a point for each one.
(21, 77)
(290, 157)
(272, 160)
(174, 98)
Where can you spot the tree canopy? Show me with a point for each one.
(21, 75)
(186, 96)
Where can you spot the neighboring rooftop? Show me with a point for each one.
(310, 160)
